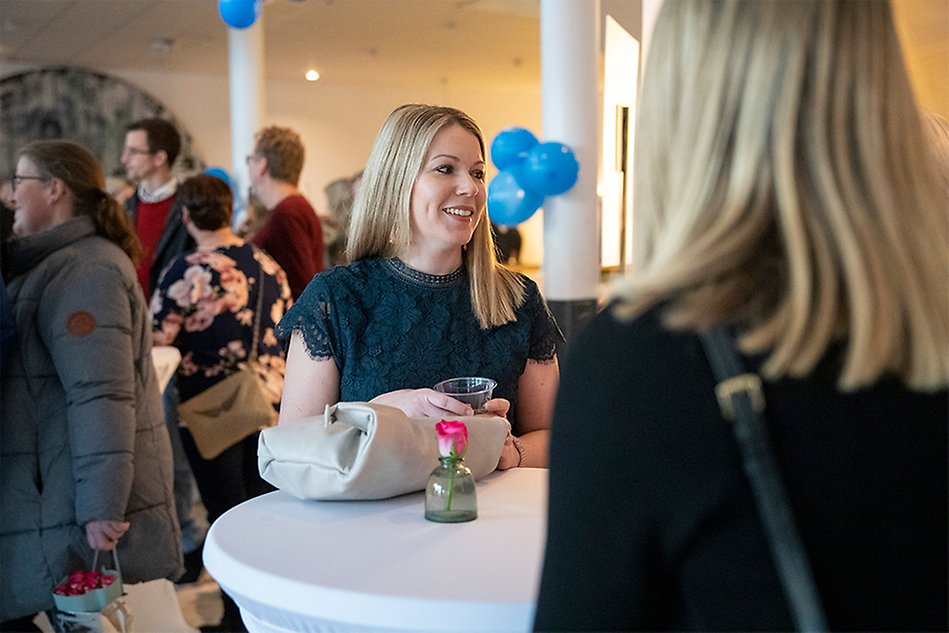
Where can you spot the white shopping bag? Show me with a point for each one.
(115, 617)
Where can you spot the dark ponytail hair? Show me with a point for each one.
(83, 176)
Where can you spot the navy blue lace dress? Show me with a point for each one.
(390, 327)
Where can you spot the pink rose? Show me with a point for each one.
(79, 582)
(452, 438)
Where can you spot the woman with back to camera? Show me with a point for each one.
(424, 298)
(85, 461)
(784, 189)
(205, 305)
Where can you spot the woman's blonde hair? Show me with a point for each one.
(381, 221)
(82, 174)
(784, 185)
(938, 128)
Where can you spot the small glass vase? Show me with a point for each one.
(450, 495)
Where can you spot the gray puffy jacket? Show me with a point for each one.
(82, 435)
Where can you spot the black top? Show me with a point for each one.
(652, 524)
(390, 327)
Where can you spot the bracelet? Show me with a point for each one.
(520, 451)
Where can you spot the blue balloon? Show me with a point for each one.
(220, 172)
(509, 204)
(510, 146)
(549, 169)
(239, 14)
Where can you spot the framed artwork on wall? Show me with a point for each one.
(80, 105)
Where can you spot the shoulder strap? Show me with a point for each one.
(741, 400)
(260, 304)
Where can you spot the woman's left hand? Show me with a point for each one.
(496, 406)
(105, 534)
(510, 458)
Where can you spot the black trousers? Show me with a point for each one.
(229, 479)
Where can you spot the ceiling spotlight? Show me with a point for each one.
(161, 46)
(312, 75)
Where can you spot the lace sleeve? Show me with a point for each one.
(313, 315)
(545, 333)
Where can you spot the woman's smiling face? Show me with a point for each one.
(449, 193)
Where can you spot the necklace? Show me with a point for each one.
(402, 270)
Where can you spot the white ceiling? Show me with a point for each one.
(347, 41)
(375, 42)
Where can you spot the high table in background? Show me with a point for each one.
(295, 565)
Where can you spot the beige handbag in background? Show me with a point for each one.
(357, 450)
(228, 411)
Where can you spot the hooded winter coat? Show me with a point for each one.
(82, 433)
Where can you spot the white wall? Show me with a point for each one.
(336, 122)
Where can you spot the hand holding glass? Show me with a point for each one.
(471, 390)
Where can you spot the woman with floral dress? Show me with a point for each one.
(204, 305)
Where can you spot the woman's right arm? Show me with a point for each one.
(309, 384)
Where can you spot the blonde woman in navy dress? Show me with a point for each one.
(423, 297)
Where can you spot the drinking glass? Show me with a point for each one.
(471, 390)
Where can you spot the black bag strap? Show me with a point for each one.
(252, 357)
(741, 400)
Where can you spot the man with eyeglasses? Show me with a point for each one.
(292, 233)
(151, 147)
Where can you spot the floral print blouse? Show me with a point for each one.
(204, 305)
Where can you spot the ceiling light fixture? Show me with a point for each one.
(312, 75)
(161, 46)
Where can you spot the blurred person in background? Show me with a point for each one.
(150, 150)
(85, 459)
(785, 190)
(291, 234)
(205, 306)
(340, 195)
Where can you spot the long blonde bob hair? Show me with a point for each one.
(381, 221)
(784, 185)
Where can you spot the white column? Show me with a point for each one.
(569, 46)
(245, 55)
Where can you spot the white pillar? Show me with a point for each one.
(569, 48)
(245, 56)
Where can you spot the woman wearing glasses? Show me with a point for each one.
(85, 460)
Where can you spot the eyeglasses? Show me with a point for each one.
(134, 151)
(17, 179)
(250, 157)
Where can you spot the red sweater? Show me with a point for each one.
(149, 222)
(292, 235)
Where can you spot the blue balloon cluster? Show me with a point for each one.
(221, 173)
(239, 14)
(529, 171)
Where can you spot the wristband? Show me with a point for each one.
(520, 451)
